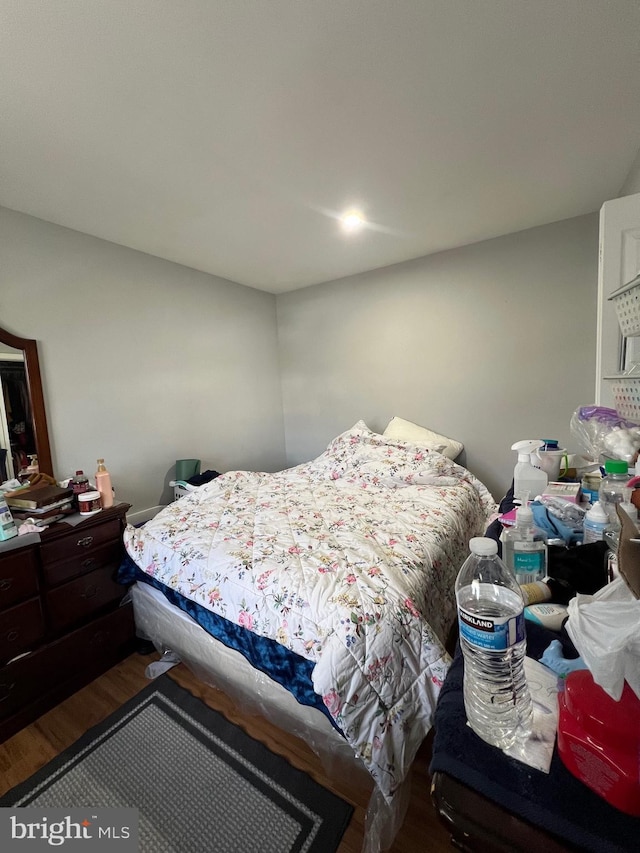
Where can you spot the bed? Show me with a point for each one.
(332, 581)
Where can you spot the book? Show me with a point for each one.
(37, 497)
(63, 507)
(43, 521)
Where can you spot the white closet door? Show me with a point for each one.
(619, 262)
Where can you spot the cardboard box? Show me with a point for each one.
(567, 491)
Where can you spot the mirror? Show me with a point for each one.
(23, 421)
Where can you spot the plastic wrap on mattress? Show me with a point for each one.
(226, 669)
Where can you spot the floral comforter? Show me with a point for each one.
(348, 560)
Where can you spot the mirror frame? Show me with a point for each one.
(34, 385)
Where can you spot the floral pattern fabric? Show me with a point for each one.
(348, 560)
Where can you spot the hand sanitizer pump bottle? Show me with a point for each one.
(525, 548)
(527, 480)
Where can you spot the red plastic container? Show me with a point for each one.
(599, 740)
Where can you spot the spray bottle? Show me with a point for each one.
(527, 480)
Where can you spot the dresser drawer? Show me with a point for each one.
(74, 601)
(78, 543)
(21, 628)
(103, 555)
(18, 576)
(73, 659)
(24, 680)
(105, 640)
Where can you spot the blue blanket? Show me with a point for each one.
(290, 670)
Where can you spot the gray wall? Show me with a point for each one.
(632, 181)
(489, 344)
(144, 361)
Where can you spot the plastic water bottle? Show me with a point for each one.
(492, 638)
(594, 524)
(613, 488)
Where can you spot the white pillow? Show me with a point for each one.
(406, 431)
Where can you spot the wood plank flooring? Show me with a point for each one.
(34, 746)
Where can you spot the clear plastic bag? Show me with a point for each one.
(601, 432)
(605, 629)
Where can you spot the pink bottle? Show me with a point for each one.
(103, 485)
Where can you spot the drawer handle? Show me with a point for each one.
(90, 592)
(12, 636)
(99, 638)
(85, 541)
(5, 584)
(88, 564)
(6, 690)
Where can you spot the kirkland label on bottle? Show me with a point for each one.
(495, 633)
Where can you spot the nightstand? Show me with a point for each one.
(495, 804)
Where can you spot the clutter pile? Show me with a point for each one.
(573, 544)
(29, 504)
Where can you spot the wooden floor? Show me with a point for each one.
(34, 746)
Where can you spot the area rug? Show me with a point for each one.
(201, 784)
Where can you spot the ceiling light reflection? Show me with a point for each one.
(352, 221)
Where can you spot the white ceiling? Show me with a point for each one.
(226, 135)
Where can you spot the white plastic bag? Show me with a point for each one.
(605, 629)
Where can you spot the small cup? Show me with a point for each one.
(555, 463)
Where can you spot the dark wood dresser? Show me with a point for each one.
(61, 618)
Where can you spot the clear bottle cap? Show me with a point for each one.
(482, 546)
